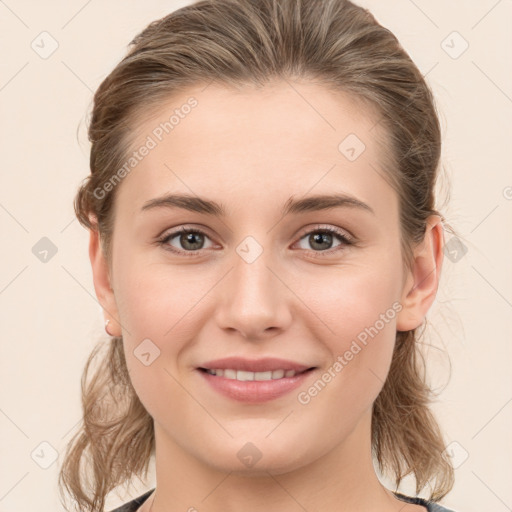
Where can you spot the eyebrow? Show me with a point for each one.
(208, 207)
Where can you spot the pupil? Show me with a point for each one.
(318, 238)
(191, 238)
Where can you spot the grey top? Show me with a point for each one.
(431, 506)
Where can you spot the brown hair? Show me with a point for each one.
(237, 42)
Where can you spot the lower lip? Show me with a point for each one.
(255, 391)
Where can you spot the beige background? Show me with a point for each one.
(49, 314)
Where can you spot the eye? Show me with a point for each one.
(321, 239)
(192, 240)
(188, 240)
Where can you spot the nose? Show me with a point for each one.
(253, 301)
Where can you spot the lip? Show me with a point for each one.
(255, 365)
(253, 391)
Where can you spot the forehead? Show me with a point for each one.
(284, 137)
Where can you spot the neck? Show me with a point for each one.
(341, 480)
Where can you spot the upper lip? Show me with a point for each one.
(254, 365)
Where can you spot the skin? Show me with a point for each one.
(250, 150)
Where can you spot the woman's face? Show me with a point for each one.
(261, 279)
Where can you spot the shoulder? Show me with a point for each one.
(431, 506)
(133, 505)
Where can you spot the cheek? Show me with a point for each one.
(360, 357)
(158, 310)
(359, 307)
(155, 302)
(352, 300)
(349, 312)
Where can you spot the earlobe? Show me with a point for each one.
(423, 278)
(102, 282)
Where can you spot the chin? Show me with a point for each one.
(262, 468)
(258, 458)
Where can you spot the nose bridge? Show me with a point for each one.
(253, 300)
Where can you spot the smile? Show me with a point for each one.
(254, 387)
(245, 375)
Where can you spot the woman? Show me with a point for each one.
(265, 245)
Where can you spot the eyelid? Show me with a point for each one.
(346, 240)
(344, 236)
(343, 233)
(168, 235)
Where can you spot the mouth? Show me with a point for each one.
(244, 375)
(254, 387)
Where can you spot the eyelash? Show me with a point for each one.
(346, 241)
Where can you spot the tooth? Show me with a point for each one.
(243, 375)
(230, 374)
(263, 375)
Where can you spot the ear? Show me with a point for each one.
(102, 283)
(422, 280)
